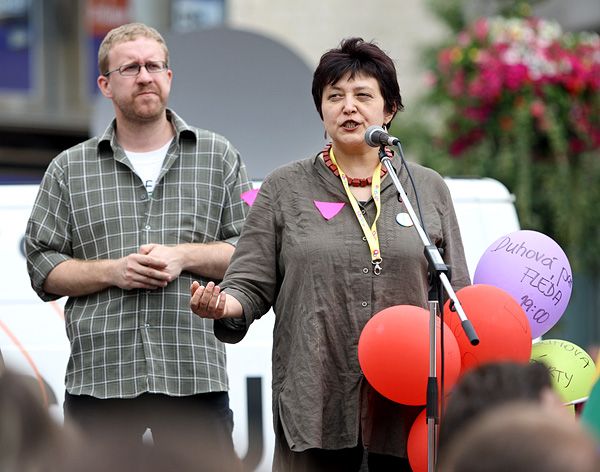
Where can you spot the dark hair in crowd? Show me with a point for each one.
(522, 437)
(355, 56)
(487, 386)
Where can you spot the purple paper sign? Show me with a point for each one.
(534, 269)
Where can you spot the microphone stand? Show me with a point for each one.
(438, 281)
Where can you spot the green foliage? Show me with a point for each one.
(517, 99)
(449, 12)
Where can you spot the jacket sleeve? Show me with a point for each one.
(454, 253)
(252, 276)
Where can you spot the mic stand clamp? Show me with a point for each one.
(438, 279)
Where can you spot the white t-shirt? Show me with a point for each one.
(147, 165)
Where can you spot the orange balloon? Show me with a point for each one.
(417, 443)
(499, 321)
(393, 351)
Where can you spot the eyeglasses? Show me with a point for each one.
(131, 70)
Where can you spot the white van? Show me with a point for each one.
(32, 333)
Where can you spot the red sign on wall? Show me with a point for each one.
(103, 15)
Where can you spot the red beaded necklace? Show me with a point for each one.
(351, 181)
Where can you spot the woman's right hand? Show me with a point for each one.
(210, 302)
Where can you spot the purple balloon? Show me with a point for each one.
(534, 269)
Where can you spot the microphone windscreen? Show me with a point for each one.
(372, 135)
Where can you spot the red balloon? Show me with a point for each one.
(393, 351)
(417, 443)
(499, 321)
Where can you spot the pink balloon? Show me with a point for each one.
(393, 351)
(532, 268)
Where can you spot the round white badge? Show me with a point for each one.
(403, 219)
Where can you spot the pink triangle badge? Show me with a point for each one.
(329, 209)
(249, 196)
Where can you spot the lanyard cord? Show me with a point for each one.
(370, 233)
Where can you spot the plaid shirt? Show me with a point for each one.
(91, 205)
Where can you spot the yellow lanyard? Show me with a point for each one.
(370, 233)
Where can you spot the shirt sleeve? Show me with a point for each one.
(454, 253)
(234, 209)
(252, 274)
(48, 232)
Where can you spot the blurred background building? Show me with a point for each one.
(48, 52)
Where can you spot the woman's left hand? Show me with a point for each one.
(210, 302)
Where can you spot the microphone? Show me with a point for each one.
(376, 136)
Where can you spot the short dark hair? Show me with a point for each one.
(356, 56)
(488, 385)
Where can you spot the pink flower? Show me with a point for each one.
(478, 114)
(486, 85)
(430, 79)
(481, 28)
(498, 65)
(594, 77)
(463, 39)
(576, 146)
(462, 143)
(537, 108)
(457, 84)
(515, 76)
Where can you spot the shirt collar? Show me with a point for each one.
(107, 142)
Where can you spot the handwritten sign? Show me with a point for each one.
(571, 368)
(534, 270)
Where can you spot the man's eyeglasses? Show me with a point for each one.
(131, 70)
